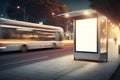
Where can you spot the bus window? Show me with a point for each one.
(26, 35)
(6, 33)
(60, 36)
(46, 36)
(0, 32)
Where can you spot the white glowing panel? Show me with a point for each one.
(86, 35)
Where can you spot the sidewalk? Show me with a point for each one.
(65, 68)
(116, 75)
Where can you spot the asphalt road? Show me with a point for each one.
(10, 60)
(55, 64)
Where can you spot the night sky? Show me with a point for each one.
(72, 5)
(3, 4)
(75, 5)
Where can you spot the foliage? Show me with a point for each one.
(37, 11)
(109, 8)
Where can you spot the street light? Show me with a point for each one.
(1, 15)
(18, 7)
(67, 16)
(53, 14)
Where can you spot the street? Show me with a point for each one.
(15, 59)
(56, 64)
(32, 33)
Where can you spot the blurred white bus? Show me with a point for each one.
(18, 35)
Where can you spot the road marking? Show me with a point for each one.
(25, 61)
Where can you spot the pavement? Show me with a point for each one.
(66, 68)
(116, 75)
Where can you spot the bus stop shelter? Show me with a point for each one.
(90, 35)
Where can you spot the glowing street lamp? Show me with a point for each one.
(53, 13)
(67, 15)
(18, 7)
(1, 15)
(86, 12)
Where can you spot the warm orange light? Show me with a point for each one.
(119, 24)
(68, 41)
(18, 7)
(102, 20)
(109, 21)
(87, 13)
(53, 13)
(67, 15)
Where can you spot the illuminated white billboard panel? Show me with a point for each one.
(86, 35)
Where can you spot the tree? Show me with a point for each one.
(37, 11)
(109, 8)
